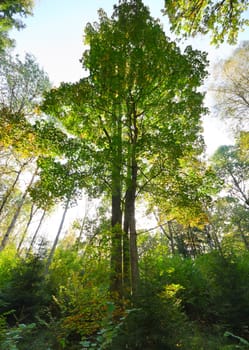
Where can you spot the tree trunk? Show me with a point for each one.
(130, 199)
(36, 231)
(116, 278)
(126, 249)
(52, 251)
(170, 237)
(133, 232)
(31, 215)
(116, 286)
(9, 190)
(16, 215)
(82, 224)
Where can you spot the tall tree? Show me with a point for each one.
(136, 114)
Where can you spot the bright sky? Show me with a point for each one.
(54, 35)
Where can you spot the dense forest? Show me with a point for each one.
(159, 257)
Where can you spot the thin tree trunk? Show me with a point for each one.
(52, 251)
(193, 242)
(170, 235)
(210, 241)
(9, 190)
(31, 215)
(216, 240)
(82, 225)
(16, 215)
(36, 231)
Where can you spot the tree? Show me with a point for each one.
(136, 115)
(233, 171)
(230, 219)
(224, 18)
(22, 83)
(10, 13)
(185, 196)
(23, 129)
(230, 87)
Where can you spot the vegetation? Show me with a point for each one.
(11, 12)
(222, 19)
(126, 138)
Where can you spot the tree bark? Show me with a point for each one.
(16, 215)
(116, 278)
(126, 249)
(130, 199)
(133, 232)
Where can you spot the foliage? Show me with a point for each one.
(230, 87)
(154, 308)
(22, 83)
(187, 195)
(181, 302)
(137, 119)
(224, 19)
(244, 343)
(233, 170)
(26, 292)
(130, 130)
(10, 13)
(14, 336)
(82, 294)
(8, 262)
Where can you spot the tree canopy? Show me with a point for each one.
(11, 12)
(223, 19)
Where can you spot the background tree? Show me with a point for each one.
(25, 133)
(11, 12)
(233, 171)
(230, 87)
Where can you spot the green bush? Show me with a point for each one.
(26, 292)
(157, 321)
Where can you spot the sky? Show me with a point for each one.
(54, 35)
